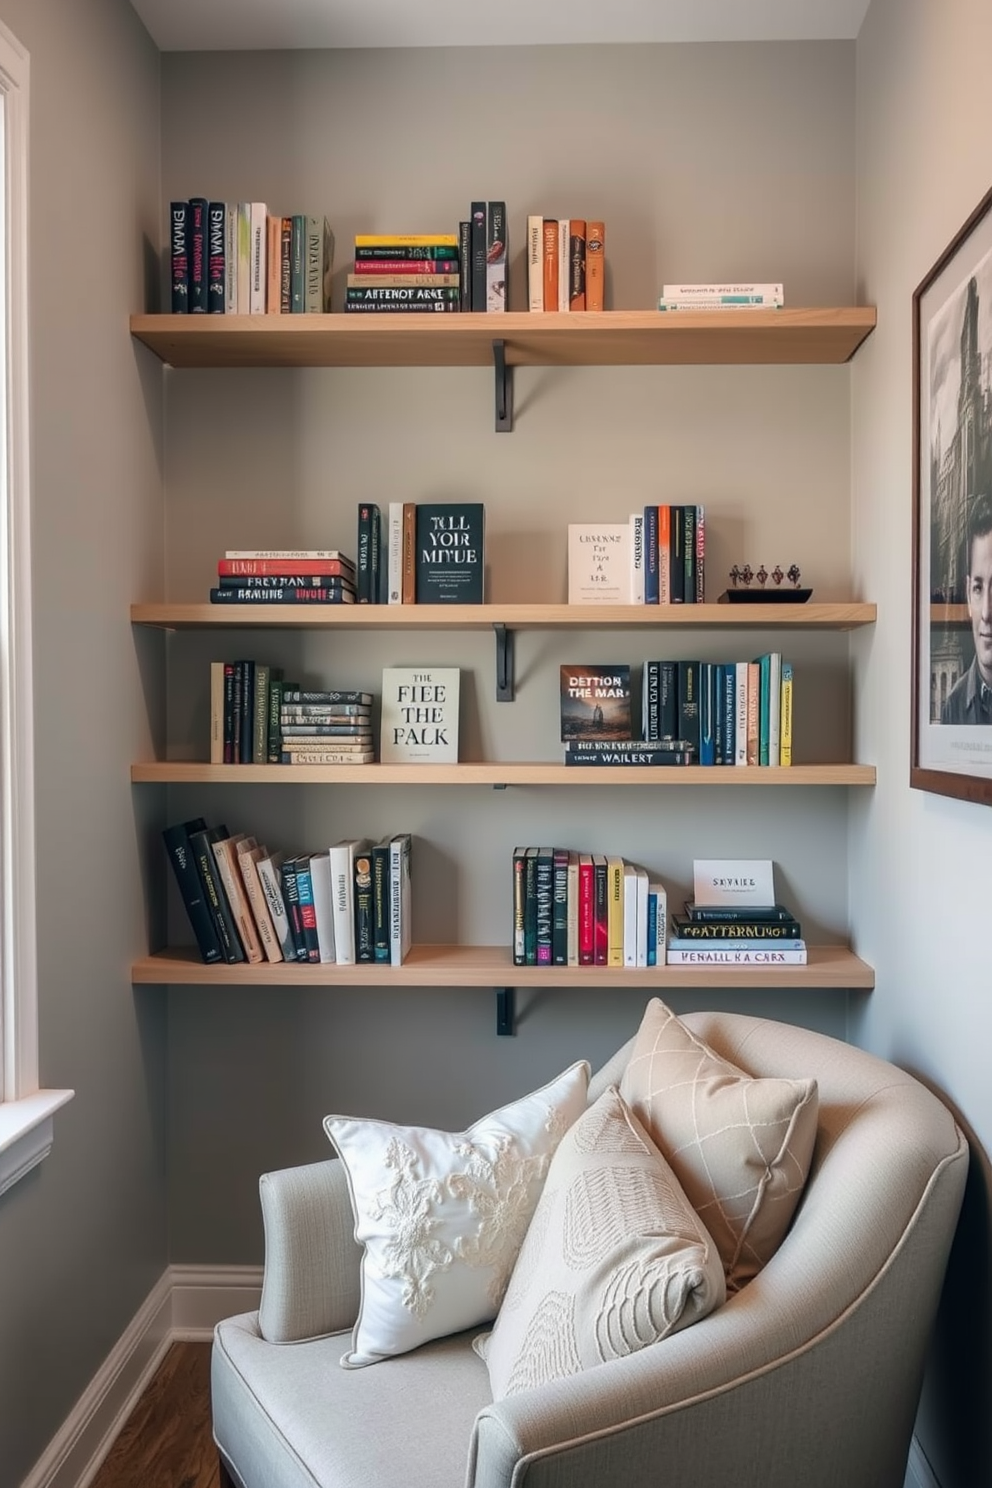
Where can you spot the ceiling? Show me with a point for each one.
(237, 25)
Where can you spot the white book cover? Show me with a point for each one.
(342, 858)
(564, 244)
(733, 882)
(740, 715)
(320, 878)
(572, 921)
(629, 914)
(400, 897)
(419, 722)
(244, 257)
(637, 557)
(599, 563)
(256, 298)
(394, 553)
(231, 258)
(271, 880)
(535, 263)
(641, 954)
(774, 707)
(659, 893)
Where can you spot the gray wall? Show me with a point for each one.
(920, 862)
(656, 140)
(83, 1237)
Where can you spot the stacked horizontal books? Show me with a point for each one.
(585, 909)
(726, 713)
(421, 552)
(658, 556)
(724, 935)
(284, 576)
(238, 258)
(404, 273)
(721, 297)
(325, 727)
(347, 904)
(566, 263)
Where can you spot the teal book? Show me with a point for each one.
(764, 706)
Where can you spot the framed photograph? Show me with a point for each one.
(952, 518)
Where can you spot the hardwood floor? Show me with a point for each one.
(166, 1442)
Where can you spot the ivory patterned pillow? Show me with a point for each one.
(740, 1146)
(615, 1258)
(442, 1214)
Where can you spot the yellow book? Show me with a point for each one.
(614, 911)
(406, 240)
(785, 728)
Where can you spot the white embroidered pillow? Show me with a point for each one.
(615, 1258)
(442, 1215)
(740, 1146)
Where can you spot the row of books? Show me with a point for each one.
(238, 258)
(320, 576)
(585, 909)
(258, 718)
(721, 297)
(724, 935)
(730, 713)
(347, 904)
(658, 556)
(566, 264)
(421, 552)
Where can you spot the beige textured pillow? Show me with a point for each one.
(615, 1258)
(740, 1146)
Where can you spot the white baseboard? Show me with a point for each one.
(919, 1473)
(185, 1304)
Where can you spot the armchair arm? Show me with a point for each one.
(311, 1282)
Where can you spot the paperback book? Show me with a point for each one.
(450, 552)
(595, 704)
(419, 723)
(599, 563)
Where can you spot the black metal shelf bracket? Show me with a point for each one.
(504, 663)
(505, 1011)
(504, 389)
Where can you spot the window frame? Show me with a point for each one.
(26, 1127)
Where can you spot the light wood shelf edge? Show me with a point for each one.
(490, 773)
(829, 616)
(491, 966)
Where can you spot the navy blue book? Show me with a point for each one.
(216, 256)
(198, 206)
(183, 860)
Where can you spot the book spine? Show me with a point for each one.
(406, 240)
(564, 245)
(464, 265)
(689, 554)
(408, 579)
(637, 558)
(729, 714)
(446, 253)
(216, 254)
(216, 712)
(650, 701)
(401, 307)
(273, 265)
(707, 707)
(198, 255)
(774, 707)
(715, 957)
(400, 852)
(601, 912)
(719, 705)
(559, 908)
(550, 261)
(380, 902)
(343, 901)
(315, 571)
(285, 581)
(271, 882)
(364, 907)
(651, 549)
(720, 302)
(325, 757)
(294, 594)
(688, 690)
(668, 700)
(214, 895)
(477, 217)
(535, 263)
(316, 697)
(181, 856)
(629, 915)
(297, 264)
(544, 890)
(572, 909)
(576, 263)
(792, 943)
(320, 877)
(519, 903)
(785, 726)
(394, 553)
(587, 894)
(231, 258)
(308, 912)
(227, 855)
(285, 265)
(497, 257)
(179, 256)
(686, 929)
(256, 294)
(676, 564)
(399, 295)
(620, 756)
(229, 672)
(737, 914)
(244, 258)
(764, 706)
(401, 271)
(652, 934)
(740, 713)
(259, 907)
(260, 714)
(405, 281)
(614, 872)
(753, 710)
(717, 291)
(664, 555)
(314, 265)
(367, 518)
(596, 266)
(700, 576)
(291, 895)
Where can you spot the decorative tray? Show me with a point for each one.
(764, 596)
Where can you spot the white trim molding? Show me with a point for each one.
(26, 1128)
(184, 1305)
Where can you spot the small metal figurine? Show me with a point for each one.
(743, 576)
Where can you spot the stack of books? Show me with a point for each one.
(566, 263)
(658, 556)
(284, 576)
(404, 272)
(727, 713)
(325, 726)
(238, 258)
(724, 935)
(348, 904)
(585, 909)
(721, 297)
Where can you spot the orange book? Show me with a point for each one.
(664, 555)
(273, 259)
(753, 706)
(550, 263)
(595, 265)
(576, 264)
(408, 562)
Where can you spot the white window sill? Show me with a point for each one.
(26, 1132)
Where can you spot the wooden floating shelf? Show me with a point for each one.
(844, 616)
(491, 966)
(584, 338)
(490, 773)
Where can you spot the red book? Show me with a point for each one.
(587, 895)
(600, 922)
(250, 567)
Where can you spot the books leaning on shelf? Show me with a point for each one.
(344, 905)
(566, 262)
(585, 909)
(727, 713)
(721, 297)
(404, 273)
(239, 258)
(305, 579)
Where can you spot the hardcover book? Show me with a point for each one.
(182, 858)
(595, 703)
(595, 265)
(497, 257)
(599, 563)
(450, 552)
(179, 254)
(216, 254)
(198, 255)
(419, 715)
(400, 897)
